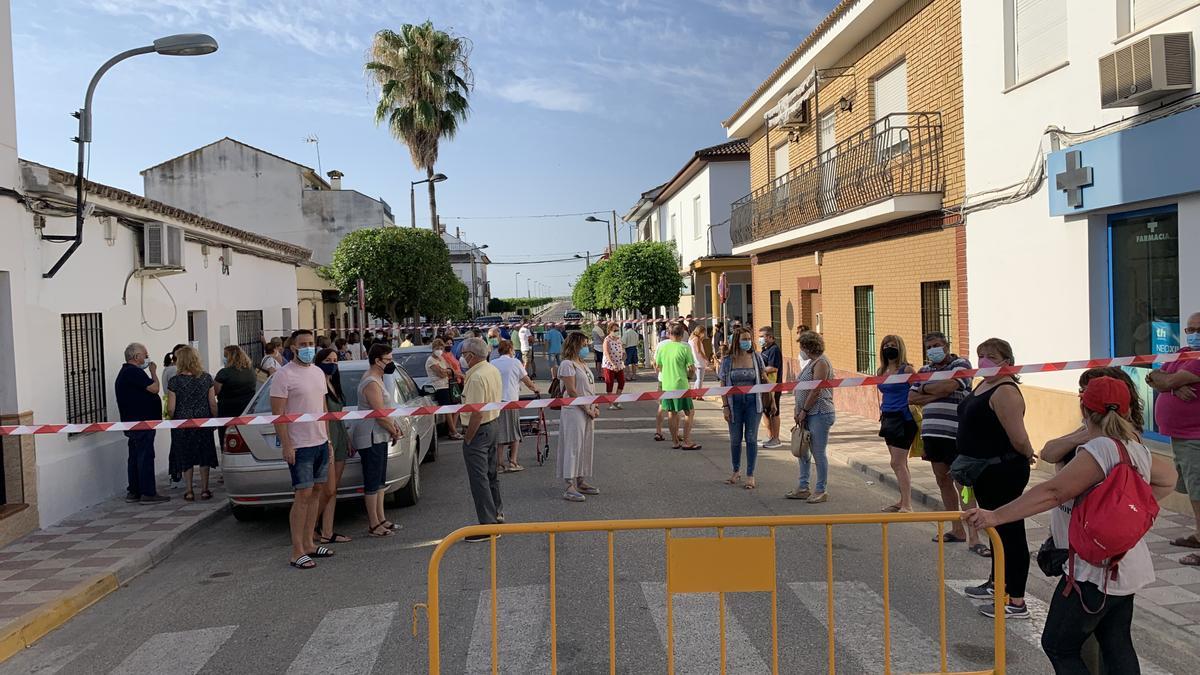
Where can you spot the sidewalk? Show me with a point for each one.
(1174, 597)
(49, 575)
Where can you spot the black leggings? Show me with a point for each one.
(1068, 626)
(998, 485)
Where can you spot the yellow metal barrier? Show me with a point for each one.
(706, 565)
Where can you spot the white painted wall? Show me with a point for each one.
(717, 185)
(1048, 271)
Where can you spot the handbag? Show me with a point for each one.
(918, 446)
(801, 442)
(768, 397)
(1051, 558)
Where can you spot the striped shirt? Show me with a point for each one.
(940, 417)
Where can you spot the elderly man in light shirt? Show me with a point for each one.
(483, 385)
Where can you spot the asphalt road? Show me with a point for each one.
(226, 601)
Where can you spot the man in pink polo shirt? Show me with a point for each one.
(299, 387)
(1177, 412)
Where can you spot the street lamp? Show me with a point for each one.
(516, 285)
(412, 195)
(186, 44)
(594, 219)
(588, 258)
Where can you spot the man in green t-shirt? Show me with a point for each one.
(675, 365)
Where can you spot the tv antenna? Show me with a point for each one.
(315, 140)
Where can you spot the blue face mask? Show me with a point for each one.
(145, 364)
(745, 345)
(1193, 340)
(935, 354)
(306, 354)
(585, 352)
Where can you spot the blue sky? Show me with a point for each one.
(578, 106)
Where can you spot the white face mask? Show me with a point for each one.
(437, 352)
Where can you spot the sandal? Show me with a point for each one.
(798, 493)
(376, 532)
(1191, 560)
(894, 508)
(206, 495)
(734, 479)
(335, 539)
(189, 496)
(392, 526)
(303, 563)
(514, 468)
(949, 538)
(981, 550)
(750, 484)
(693, 446)
(322, 552)
(1190, 541)
(659, 437)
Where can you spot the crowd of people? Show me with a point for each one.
(972, 434)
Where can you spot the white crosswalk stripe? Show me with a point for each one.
(858, 625)
(1030, 630)
(346, 641)
(182, 653)
(697, 636)
(523, 631)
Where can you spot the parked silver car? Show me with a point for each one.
(252, 458)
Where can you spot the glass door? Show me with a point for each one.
(1144, 290)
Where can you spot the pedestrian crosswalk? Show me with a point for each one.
(351, 639)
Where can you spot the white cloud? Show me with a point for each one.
(545, 94)
(797, 15)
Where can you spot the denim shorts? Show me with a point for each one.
(555, 359)
(374, 467)
(311, 467)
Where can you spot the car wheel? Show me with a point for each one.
(431, 453)
(410, 494)
(246, 514)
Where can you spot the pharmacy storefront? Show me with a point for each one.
(1139, 189)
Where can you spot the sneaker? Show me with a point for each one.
(131, 498)
(574, 496)
(1011, 611)
(773, 443)
(480, 538)
(500, 518)
(983, 591)
(799, 493)
(818, 498)
(154, 499)
(589, 490)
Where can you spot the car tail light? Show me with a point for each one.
(234, 443)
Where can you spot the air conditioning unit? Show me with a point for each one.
(162, 247)
(1148, 69)
(36, 180)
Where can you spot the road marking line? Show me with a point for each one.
(858, 619)
(36, 661)
(697, 638)
(346, 641)
(180, 653)
(523, 621)
(1030, 630)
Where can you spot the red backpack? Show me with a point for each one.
(1110, 520)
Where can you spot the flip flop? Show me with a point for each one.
(949, 538)
(894, 508)
(322, 552)
(1191, 560)
(1190, 541)
(981, 550)
(514, 468)
(693, 446)
(303, 563)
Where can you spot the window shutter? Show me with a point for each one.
(891, 92)
(1148, 11)
(782, 160)
(1041, 36)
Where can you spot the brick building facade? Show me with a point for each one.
(854, 241)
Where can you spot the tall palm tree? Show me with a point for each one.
(424, 80)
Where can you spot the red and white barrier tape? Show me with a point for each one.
(402, 328)
(411, 411)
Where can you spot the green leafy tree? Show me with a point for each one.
(583, 296)
(405, 272)
(424, 79)
(499, 305)
(640, 276)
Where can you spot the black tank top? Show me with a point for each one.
(980, 433)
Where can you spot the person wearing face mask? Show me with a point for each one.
(742, 367)
(483, 385)
(439, 374)
(815, 412)
(613, 363)
(577, 424)
(371, 438)
(772, 358)
(299, 387)
(137, 389)
(897, 426)
(994, 460)
(939, 428)
(339, 440)
(235, 384)
(1177, 412)
(493, 341)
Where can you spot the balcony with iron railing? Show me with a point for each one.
(897, 156)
